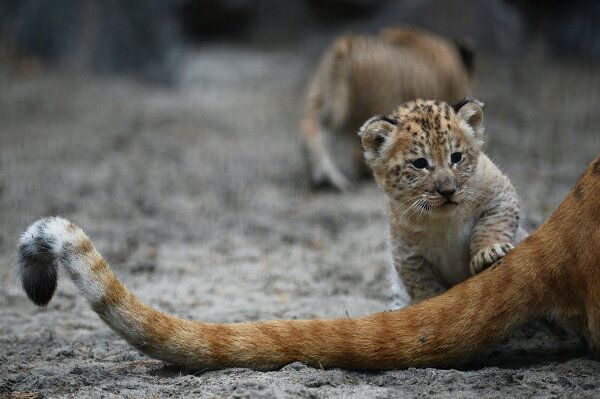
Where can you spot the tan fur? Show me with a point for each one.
(552, 273)
(360, 76)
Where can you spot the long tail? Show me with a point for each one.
(439, 331)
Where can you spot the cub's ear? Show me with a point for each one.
(471, 112)
(374, 134)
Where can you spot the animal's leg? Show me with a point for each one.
(495, 234)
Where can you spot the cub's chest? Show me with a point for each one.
(445, 244)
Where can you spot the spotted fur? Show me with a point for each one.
(360, 76)
(450, 219)
(553, 273)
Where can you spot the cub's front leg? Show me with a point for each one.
(412, 280)
(494, 234)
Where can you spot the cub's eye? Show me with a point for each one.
(456, 157)
(420, 163)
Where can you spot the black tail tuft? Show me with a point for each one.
(37, 266)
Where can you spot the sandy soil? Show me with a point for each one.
(197, 197)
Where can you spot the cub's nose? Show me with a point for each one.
(447, 193)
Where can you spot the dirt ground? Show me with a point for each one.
(197, 196)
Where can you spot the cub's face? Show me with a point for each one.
(424, 154)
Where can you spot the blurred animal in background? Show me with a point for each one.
(452, 212)
(360, 76)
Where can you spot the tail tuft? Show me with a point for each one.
(37, 255)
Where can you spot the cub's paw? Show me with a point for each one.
(487, 256)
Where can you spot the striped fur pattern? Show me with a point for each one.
(452, 212)
(360, 76)
(554, 272)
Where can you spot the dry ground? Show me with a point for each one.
(197, 197)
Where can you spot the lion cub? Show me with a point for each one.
(452, 212)
(360, 76)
